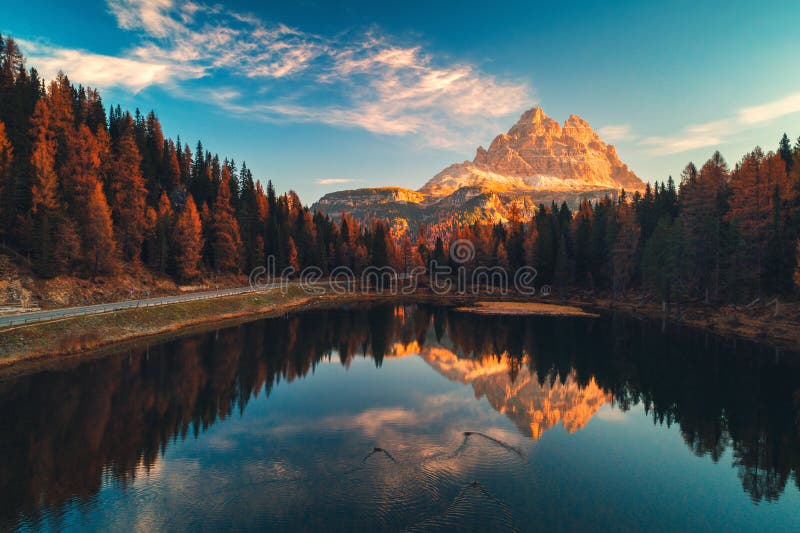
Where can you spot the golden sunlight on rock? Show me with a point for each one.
(533, 408)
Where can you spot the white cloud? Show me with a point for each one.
(334, 181)
(103, 70)
(616, 132)
(763, 113)
(717, 132)
(364, 81)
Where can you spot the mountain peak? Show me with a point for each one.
(576, 122)
(537, 153)
(536, 161)
(534, 115)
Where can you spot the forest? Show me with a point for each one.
(87, 191)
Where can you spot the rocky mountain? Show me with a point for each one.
(533, 405)
(536, 161)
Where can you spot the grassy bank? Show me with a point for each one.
(70, 336)
(30, 347)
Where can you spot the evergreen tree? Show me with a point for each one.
(128, 193)
(226, 242)
(786, 153)
(187, 242)
(46, 199)
(6, 158)
(624, 251)
(99, 248)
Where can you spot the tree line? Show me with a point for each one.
(720, 234)
(87, 191)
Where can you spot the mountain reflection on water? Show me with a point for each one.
(67, 433)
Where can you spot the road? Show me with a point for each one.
(53, 314)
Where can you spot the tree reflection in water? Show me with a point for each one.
(66, 431)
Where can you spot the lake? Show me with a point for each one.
(409, 417)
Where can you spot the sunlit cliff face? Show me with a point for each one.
(534, 408)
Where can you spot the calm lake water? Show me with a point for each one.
(409, 417)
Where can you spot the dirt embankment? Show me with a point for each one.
(21, 289)
(37, 344)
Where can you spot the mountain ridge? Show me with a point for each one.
(536, 161)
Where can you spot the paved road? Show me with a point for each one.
(41, 316)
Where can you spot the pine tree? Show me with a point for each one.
(561, 274)
(46, 201)
(582, 237)
(751, 199)
(128, 193)
(703, 204)
(6, 158)
(160, 249)
(171, 167)
(292, 256)
(99, 248)
(226, 241)
(786, 153)
(187, 242)
(81, 170)
(623, 255)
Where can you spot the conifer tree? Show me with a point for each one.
(160, 247)
(582, 236)
(128, 193)
(46, 200)
(786, 153)
(624, 251)
(187, 242)
(703, 204)
(6, 158)
(292, 256)
(99, 248)
(226, 241)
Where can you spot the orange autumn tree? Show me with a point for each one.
(753, 186)
(187, 242)
(6, 156)
(45, 198)
(226, 242)
(159, 249)
(99, 248)
(82, 184)
(128, 194)
(703, 197)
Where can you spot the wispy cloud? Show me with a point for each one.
(717, 132)
(764, 113)
(334, 181)
(366, 81)
(617, 132)
(104, 70)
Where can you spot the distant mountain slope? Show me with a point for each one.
(536, 161)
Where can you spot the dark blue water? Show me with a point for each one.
(409, 418)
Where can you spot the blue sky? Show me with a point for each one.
(320, 96)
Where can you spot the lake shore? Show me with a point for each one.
(758, 323)
(30, 347)
(26, 348)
